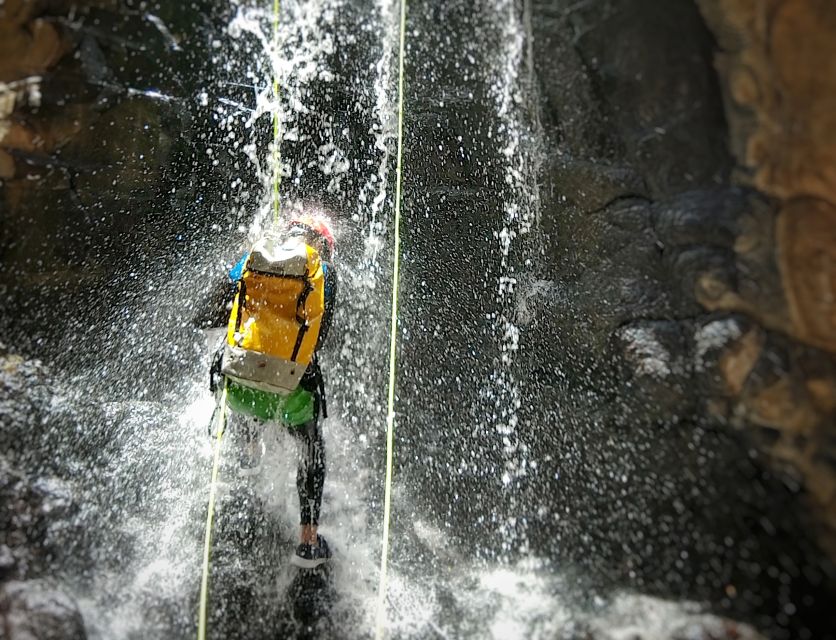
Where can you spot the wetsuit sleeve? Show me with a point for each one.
(213, 308)
(330, 302)
(216, 305)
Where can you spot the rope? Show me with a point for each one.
(393, 339)
(277, 153)
(210, 513)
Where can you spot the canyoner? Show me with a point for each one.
(277, 304)
(280, 299)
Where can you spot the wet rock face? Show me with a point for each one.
(776, 72)
(779, 84)
(98, 145)
(780, 95)
(40, 524)
(36, 522)
(38, 516)
(32, 610)
(688, 204)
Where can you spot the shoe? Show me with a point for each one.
(310, 556)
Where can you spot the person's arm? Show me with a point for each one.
(213, 309)
(216, 305)
(218, 316)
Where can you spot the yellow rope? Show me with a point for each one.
(393, 339)
(210, 513)
(277, 154)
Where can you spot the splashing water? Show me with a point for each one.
(154, 593)
(517, 140)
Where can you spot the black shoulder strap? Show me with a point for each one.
(320, 383)
(242, 299)
(300, 316)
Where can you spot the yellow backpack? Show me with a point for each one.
(276, 316)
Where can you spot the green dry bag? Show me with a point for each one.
(292, 410)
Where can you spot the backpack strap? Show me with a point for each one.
(300, 317)
(241, 288)
(320, 385)
(242, 300)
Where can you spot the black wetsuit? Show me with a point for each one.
(310, 475)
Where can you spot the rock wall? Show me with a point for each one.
(108, 118)
(778, 75)
(97, 99)
(39, 517)
(688, 202)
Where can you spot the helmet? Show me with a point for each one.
(317, 227)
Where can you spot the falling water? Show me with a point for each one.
(516, 136)
(146, 491)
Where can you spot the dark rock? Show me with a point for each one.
(37, 521)
(8, 563)
(54, 496)
(593, 186)
(607, 97)
(684, 277)
(34, 611)
(652, 357)
(24, 395)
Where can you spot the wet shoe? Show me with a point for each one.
(310, 556)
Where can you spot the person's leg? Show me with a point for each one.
(310, 477)
(246, 433)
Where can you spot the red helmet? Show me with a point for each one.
(317, 224)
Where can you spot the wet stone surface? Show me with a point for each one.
(33, 610)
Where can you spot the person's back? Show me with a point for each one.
(267, 370)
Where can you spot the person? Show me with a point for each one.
(280, 303)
